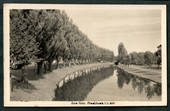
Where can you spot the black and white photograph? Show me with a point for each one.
(84, 55)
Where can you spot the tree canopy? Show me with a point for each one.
(46, 35)
(138, 58)
(122, 52)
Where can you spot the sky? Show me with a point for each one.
(138, 29)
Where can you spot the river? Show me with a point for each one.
(109, 84)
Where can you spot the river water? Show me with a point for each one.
(110, 84)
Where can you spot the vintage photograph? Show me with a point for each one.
(84, 55)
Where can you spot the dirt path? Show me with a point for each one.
(152, 74)
(45, 87)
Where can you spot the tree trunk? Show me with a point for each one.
(50, 66)
(57, 64)
(45, 67)
(39, 67)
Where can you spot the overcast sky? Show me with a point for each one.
(139, 30)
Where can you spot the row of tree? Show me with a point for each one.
(47, 35)
(140, 58)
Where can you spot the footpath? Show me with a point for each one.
(44, 88)
(152, 74)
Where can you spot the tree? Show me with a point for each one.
(148, 57)
(137, 58)
(122, 52)
(141, 59)
(42, 36)
(126, 60)
(51, 37)
(158, 56)
(23, 45)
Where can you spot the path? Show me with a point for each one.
(45, 87)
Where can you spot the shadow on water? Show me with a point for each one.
(141, 84)
(78, 89)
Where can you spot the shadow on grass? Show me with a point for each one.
(23, 85)
(29, 73)
(78, 89)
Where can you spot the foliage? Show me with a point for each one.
(140, 58)
(158, 56)
(137, 58)
(23, 45)
(46, 35)
(122, 53)
(148, 57)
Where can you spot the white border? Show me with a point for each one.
(8, 6)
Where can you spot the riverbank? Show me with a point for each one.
(151, 74)
(44, 87)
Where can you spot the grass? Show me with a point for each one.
(30, 73)
(143, 71)
(153, 66)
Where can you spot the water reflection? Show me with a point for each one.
(109, 84)
(78, 89)
(140, 84)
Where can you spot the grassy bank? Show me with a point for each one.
(143, 71)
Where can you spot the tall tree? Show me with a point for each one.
(46, 35)
(23, 45)
(122, 52)
(158, 55)
(51, 37)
